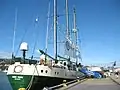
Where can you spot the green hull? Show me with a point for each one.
(37, 83)
(19, 81)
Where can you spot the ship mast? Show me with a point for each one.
(47, 27)
(75, 29)
(46, 47)
(74, 25)
(67, 21)
(55, 29)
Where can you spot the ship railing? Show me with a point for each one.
(65, 84)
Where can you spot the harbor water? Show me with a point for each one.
(4, 83)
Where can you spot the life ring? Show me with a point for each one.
(18, 69)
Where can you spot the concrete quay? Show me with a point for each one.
(110, 83)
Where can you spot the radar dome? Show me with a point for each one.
(24, 46)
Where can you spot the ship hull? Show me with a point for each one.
(34, 82)
(19, 81)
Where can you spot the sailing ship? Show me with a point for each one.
(49, 71)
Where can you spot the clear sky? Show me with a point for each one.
(97, 20)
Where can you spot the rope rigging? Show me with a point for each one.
(26, 30)
(35, 39)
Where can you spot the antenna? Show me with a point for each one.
(15, 24)
(55, 29)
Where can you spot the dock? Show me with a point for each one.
(109, 83)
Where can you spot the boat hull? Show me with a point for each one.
(36, 77)
(19, 81)
(33, 82)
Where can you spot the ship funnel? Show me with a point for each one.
(24, 48)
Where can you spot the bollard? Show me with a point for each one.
(64, 83)
(78, 79)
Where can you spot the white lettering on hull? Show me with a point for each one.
(17, 77)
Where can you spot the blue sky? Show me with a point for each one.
(98, 22)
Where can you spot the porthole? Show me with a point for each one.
(64, 63)
(41, 71)
(55, 72)
(46, 71)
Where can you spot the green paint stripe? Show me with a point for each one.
(19, 81)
